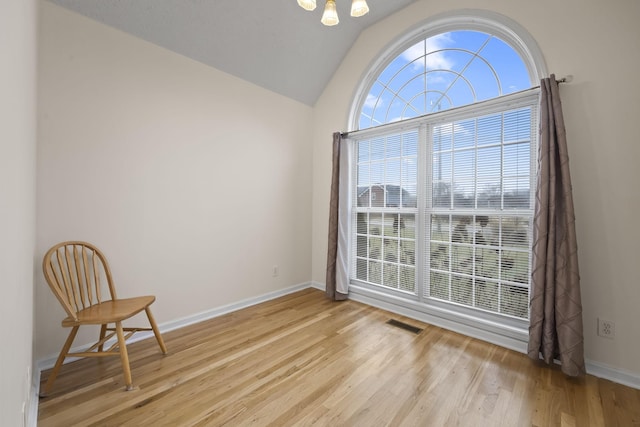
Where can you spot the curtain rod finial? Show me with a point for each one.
(566, 79)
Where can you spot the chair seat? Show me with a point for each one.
(110, 311)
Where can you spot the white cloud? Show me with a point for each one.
(433, 46)
(371, 100)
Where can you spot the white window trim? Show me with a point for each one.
(502, 330)
(509, 333)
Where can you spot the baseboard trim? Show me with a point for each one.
(31, 414)
(513, 340)
(49, 362)
(229, 308)
(594, 368)
(597, 369)
(318, 285)
(611, 373)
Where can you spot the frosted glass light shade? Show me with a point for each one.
(330, 15)
(307, 4)
(359, 8)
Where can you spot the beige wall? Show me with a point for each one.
(596, 42)
(17, 204)
(140, 150)
(194, 183)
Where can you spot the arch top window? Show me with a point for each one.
(442, 206)
(447, 70)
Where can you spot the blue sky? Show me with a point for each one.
(446, 70)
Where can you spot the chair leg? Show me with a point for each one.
(103, 332)
(156, 331)
(61, 357)
(124, 356)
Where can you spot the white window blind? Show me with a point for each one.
(443, 206)
(385, 206)
(481, 210)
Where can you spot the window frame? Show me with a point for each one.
(503, 330)
(527, 98)
(475, 20)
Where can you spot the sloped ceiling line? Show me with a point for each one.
(274, 44)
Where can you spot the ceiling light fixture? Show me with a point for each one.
(359, 8)
(330, 14)
(307, 4)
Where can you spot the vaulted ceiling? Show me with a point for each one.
(274, 44)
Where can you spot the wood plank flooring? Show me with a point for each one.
(303, 360)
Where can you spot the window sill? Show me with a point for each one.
(511, 337)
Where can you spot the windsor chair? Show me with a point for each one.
(76, 273)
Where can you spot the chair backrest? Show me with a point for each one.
(75, 272)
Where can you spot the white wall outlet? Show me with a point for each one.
(606, 328)
(276, 271)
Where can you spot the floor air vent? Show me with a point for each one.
(405, 326)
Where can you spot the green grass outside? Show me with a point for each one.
(390, 249)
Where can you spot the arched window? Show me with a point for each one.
(441, 72)
(444, 153)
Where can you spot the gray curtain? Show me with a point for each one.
(555, 330)
(333, 261)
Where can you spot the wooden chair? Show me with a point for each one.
(75, 272)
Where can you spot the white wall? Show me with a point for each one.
(194, 183)
(17, 203)
(140, 151)
(596, 42)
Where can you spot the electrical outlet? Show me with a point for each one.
(275, 271)
(606, 328)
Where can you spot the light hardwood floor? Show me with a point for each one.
(302, 360)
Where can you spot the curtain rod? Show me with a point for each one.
(566, 79)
